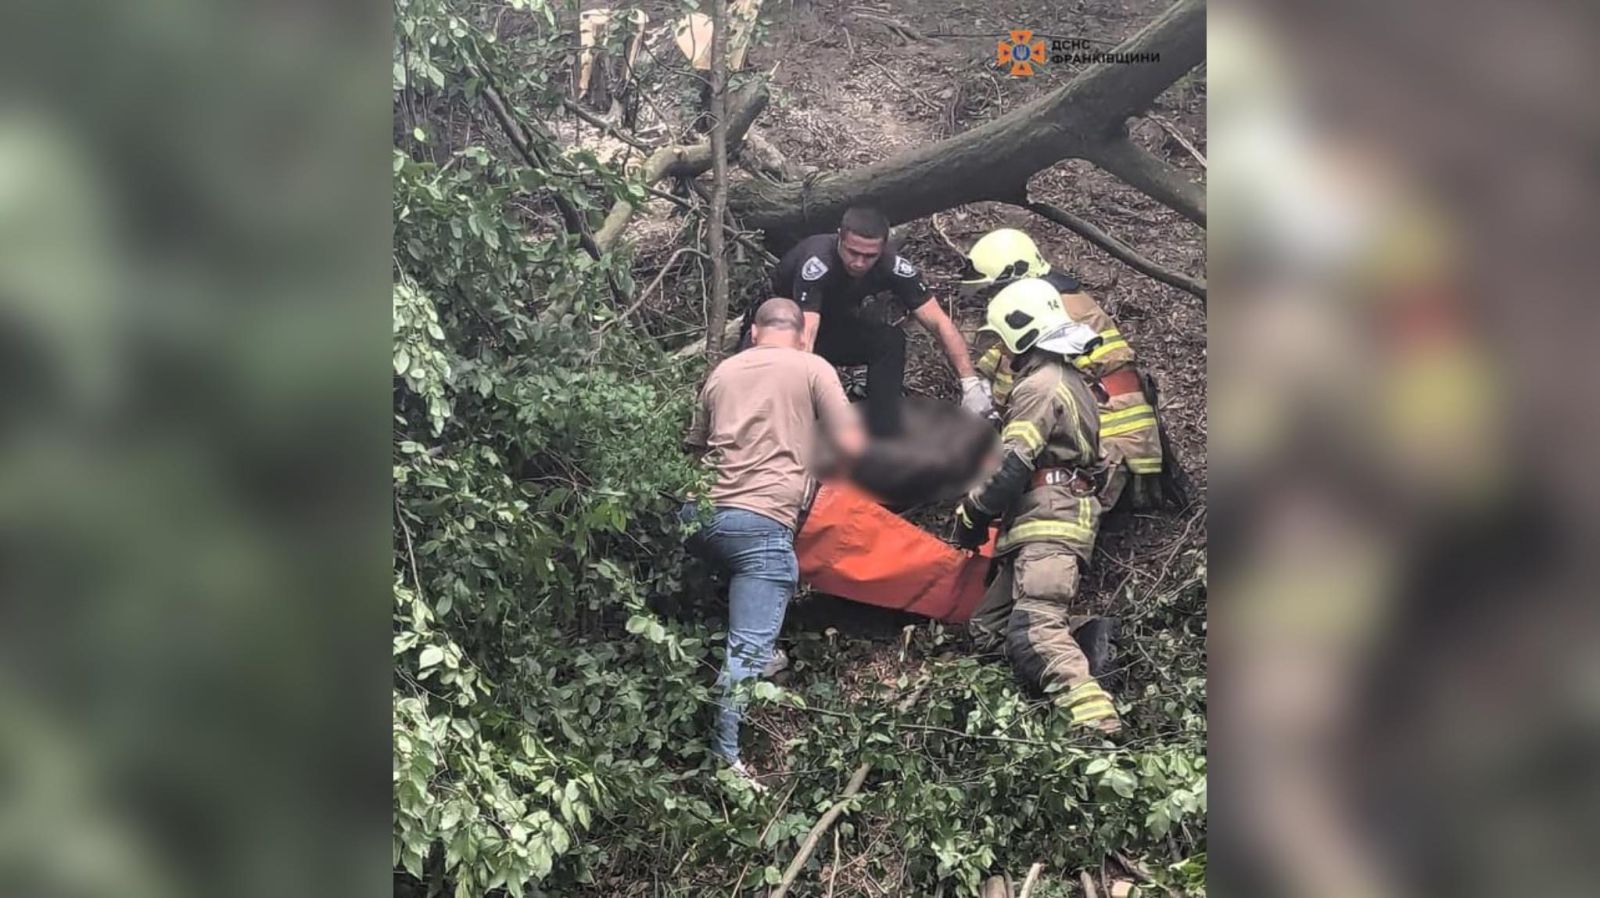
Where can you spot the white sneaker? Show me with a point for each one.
(738, 769)
(778, 664)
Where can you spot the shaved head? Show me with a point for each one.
(778, 322)
(779, 313)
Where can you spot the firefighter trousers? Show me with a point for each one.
(1027, 613)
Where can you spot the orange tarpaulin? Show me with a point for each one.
(852, 547)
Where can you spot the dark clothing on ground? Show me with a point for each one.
(882, 348)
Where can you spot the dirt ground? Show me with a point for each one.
(854, 83)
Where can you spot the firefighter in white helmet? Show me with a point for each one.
(1130, 435)
(1044, 491)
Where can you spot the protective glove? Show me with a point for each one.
(971, 526)
(976, 396)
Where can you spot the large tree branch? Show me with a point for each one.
(1117, 248)
(1152, 177)
(686, 161)
(1084, 119)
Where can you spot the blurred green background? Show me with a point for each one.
(194, 271)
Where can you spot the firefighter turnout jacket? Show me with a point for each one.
(1051, 423)
(1129, 435)
(1046, 535)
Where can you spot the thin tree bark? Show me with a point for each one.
(718, 316)
(997, 886)
(1031, 879)
(1119, 250)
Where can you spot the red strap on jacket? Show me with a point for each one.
(1123, 380)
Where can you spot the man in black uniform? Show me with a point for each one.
(829, 275)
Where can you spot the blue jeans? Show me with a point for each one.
(760, 553)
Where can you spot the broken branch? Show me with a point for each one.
(1140, 872)
(822, 824)
(1029, 881)
(651, 287)
(1116, 248)
(1172, 130)
(680, 161)
(604, 126)
(533, 159)
(833, 812)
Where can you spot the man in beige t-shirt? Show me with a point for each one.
(757, 426)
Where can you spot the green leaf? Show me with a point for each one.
(1121, 782)
(1159, 821)
(539, 853)
(402, 361)
(430, 656)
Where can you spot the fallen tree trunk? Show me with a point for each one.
(1084, 119)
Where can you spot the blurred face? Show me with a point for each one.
(859, 253)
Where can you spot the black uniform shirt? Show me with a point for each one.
(813, 275)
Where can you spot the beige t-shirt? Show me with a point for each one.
(758, 419)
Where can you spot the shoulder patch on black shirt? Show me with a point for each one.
(814, 269)
(904, 268)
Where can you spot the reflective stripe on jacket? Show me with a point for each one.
(1128, 424)
(1128, 433)
(1050, 421)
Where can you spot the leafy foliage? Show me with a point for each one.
(554, 661)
